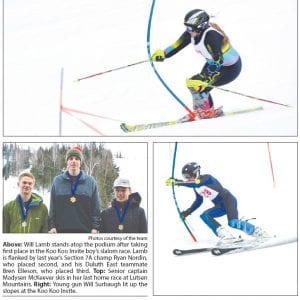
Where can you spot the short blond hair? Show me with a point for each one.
(26, 174)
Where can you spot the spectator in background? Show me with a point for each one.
(74, 199)
(125, 214)
(27, 213)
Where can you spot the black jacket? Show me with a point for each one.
(134, 220)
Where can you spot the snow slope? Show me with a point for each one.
(86, 37)
(244, 169)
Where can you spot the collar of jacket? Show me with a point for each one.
(36, 200)
(83, 176)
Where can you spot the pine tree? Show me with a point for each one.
(46, 162)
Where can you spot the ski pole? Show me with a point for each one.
(252, 97)
(111, 70)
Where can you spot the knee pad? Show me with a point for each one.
(242, 225)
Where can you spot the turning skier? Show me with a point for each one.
(223, 63)
(208, 187)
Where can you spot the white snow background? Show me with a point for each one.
(244, 169)
(133, 165)
(87, 37)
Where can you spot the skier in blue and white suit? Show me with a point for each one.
(208, 187)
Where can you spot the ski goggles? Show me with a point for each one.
(187, 176)
(190, 29)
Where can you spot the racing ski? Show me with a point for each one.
(179, 252)
(208, 249)
(237, 247)
(139, 127)
(253, 245)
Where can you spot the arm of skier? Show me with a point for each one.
(179, 182)
(190, 184)
(196, 204)
(179, 44)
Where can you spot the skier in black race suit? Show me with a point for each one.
(223, 63)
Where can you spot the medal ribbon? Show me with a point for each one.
(121, 215)
(74, 185)
(24, 209)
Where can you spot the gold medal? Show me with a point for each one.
(121, 227)
(73, 199)
(24, 224)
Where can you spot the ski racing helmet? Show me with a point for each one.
(196, 20)
(191, 170)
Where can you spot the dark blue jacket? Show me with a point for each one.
(134, 220)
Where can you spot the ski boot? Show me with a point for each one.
(227, 238)
(261, 234)
(209, 113)
(202, 114)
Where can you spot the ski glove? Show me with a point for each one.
(197, 85)
(185, 213)
(171, 181)
(158, 55)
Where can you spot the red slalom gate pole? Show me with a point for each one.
(271, 165)
(112, 70)
(248, 96)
